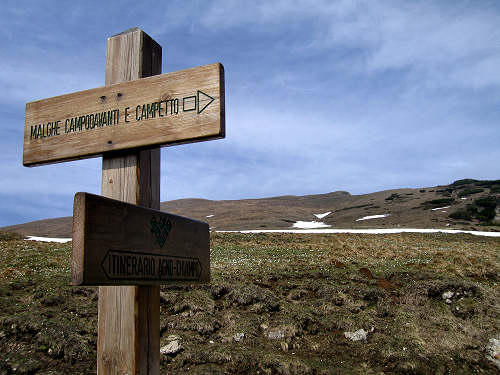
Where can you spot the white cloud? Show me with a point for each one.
(456, 44)
(24, 82)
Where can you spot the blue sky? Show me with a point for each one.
(320, 95)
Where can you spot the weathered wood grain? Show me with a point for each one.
(129, 316)
(125, 244)
(116, 117)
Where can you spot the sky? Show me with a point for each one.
(321, 96)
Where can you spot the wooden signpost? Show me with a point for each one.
(125, 249)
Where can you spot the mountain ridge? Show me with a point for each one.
(466, 204)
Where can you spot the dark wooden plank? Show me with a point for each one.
(125, 244)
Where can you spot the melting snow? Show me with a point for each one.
(309, 225)
(210, 216)
(48, 239)
(373, 217)
(370, 231)
(440, 208)
(321, 216)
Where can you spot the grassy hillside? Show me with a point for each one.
(277, 304)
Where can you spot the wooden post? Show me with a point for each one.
(129, 316)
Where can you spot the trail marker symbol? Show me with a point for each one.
(192, 103)
(202, 95)
(161, 227)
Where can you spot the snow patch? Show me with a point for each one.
(373, 217)
(440, 208)
(321, 216)
(367, 231)
(48, 239)
(310, 225)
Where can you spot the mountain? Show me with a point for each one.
(464, 204)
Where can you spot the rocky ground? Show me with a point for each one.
(277, 304)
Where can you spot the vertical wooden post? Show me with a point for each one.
(129, 316)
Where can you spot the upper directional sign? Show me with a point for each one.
(173, 108)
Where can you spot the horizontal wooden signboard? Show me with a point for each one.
(117, 243)
(173, 108)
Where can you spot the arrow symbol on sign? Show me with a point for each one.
(202, 96)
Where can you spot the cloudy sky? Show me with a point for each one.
(320, 95)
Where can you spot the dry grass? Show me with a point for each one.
(292, 296)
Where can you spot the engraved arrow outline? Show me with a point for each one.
(110, 278)
(206, 105)
(102, 264)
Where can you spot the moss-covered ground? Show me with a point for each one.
(277, 304)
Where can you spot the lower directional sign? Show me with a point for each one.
(117, 243)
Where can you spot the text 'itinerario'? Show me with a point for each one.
(129, 265)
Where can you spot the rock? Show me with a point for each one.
(171, 348)
(275, 334)
(448, 295)
(358, 335)
(493, 350)
(239, 336)
(284, 331)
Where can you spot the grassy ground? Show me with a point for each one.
(277, 304)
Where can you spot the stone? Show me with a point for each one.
(239, 336)
(171, 348)
(358, 335)
(275, 334)
(448, 295)
(493, 350)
